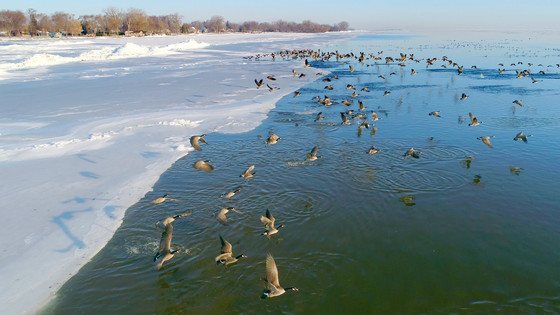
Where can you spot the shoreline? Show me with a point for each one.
(86, 214)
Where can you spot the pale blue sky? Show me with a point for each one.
(361, 14)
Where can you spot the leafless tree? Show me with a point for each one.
(61, 22)
(91, 23)
(33, 26)
(113, 20)
(74, 27)
(216, 24)
(136, 20)
(174, 23)
(12, 22)
(45, 23)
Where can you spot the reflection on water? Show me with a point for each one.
(463, 228)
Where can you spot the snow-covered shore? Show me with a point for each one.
(87, 126)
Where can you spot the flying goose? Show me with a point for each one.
(232, 193)
(247, 173)
(272, 139)
(271, 282)
(413, 153)
(165, 253)
(518, 102)
(486, 140)
(521, 136)
(195, 141)
(268, 222)
(222, 214)
(434, 113)
(161, 199)
(474, 121)
(226, 256)
(203, 165)
(372, 150)
(259, 83)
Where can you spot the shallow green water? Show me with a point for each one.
(455, 231)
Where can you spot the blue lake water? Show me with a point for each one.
(465, 228)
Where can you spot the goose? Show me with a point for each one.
(161, 199)
(272, 139)
(296, 94)
(354, 94)
(346, 102)
(486, 140)
(271, 282)
(294, 72)
(247, 173)
(226, 256)
(534, 80)
(434, 113)
(350, 87)
(195, 141)
(386, 93)
(361, 105)
(203, 165)
(413, 72)
(372, 150)
(518, 102)
(474, 121)
(521, 136)
(365, 89)
(271, 78)
(259, 83)
(272, 88)
(165, 253)
(408, 200)
(319, 117)
(464, 96)
(268, 222)
(232, 193)
(312, 156)
(374, 116)
(307, 63)
(413, 153)
(351, 69)
(222, 214)
(328, 87)
(345, 120)
(515, 170)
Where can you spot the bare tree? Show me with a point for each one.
(45, 23)
(174, 22)
(136, 20)
(74, 27)
(61, 22)
(91, 23)
(12, 22)
(33, 25)
(113, 20)
(216, 23)
(343, 26)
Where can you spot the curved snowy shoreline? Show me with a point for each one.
(84, 139)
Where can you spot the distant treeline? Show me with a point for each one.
(135, 21)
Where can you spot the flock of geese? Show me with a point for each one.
(226, 256)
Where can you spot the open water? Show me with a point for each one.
(464, 228)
